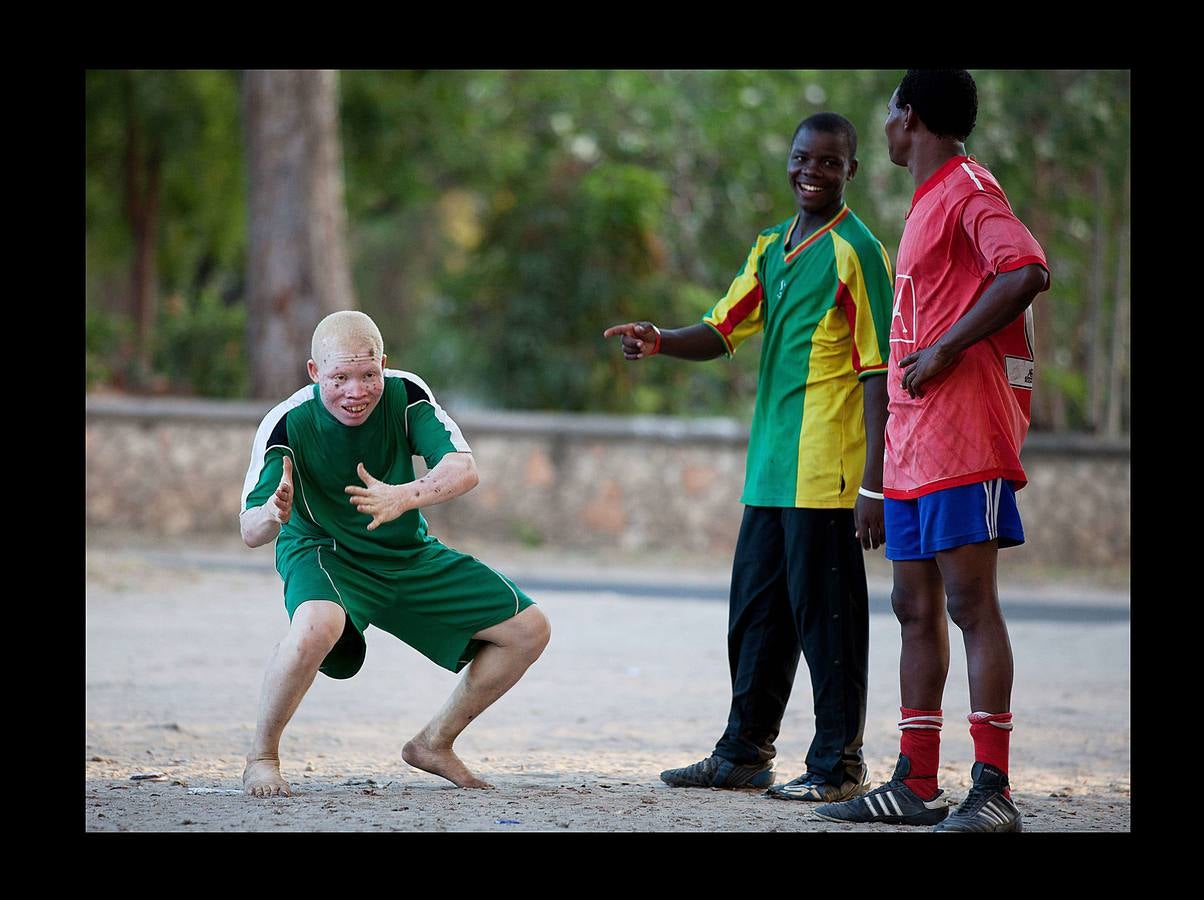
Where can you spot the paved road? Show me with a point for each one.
(635, 680)
(1049, 603)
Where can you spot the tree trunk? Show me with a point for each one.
(142, 168)
(1118, 375)
(1045, 390)
(297, 269)
(1097, 350)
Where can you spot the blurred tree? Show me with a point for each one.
(1115, 420)
(143, 164)
(498, 220)
(1059, 141)
(164, 205)
(297, 268)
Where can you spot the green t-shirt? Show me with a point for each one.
(406, 422)
(825, 308)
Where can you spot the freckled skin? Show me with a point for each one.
(350, 383)
(349, 378)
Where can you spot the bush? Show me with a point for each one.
(107, 339)
(202, 346)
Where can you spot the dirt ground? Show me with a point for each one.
(177, 637)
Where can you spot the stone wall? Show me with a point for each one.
(176, 466)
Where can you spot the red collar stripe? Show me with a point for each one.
(811, 239)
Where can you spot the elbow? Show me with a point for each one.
(1035, 280)
(471, 477)
(248, 535)
(1018, 289)
(1043, 278)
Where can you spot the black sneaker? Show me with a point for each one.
(985, 807)
(717, 772)
(892, 804)
(813, 788)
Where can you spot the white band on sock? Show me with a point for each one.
(934, 722)
(1006, 726)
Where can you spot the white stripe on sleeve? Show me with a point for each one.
(259, 448)
(453, 430)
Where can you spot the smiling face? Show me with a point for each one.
(819, 167)
(350, 381)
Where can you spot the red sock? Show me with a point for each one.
(992, 733)
(921, 744)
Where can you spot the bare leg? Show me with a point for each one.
(918, 599)
(512, 646)
(316, 628)
(969, 573)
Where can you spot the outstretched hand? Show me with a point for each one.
(280, 504)
(924, 364)
(377, 499)
(639, 339)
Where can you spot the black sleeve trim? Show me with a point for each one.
(279, 436)
(415, 393)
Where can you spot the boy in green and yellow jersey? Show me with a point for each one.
(819, 285)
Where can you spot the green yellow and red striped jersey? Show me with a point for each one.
(825, 308)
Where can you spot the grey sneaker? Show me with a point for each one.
(813, 789)
(717, 772)
(894, 803)
(985, 807)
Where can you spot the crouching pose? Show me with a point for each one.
(331, 481)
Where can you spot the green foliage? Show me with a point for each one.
(500, 220)
(106, 343)
(190, 121)
(202, 346)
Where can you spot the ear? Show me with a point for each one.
(852, 170)
(909, 117)
(384, 361)
(312, 368)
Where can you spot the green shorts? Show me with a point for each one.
(434, 598)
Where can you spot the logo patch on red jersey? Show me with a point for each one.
(903, 318)
(1020, 372)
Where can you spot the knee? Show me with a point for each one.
(316, 628)
(969, 609)
(972, 598)
(916, 609)
(535, 633)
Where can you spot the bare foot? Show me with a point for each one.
(443, 763)
(261, 778)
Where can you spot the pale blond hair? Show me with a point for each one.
(347, 330)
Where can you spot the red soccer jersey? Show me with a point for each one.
(969, 425)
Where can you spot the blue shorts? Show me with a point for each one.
(942, 520)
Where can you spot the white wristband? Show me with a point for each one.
(864, 493)
(656, 348)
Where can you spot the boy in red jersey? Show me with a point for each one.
(960, 383)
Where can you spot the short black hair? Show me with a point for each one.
(830, 123)
(946, 100)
